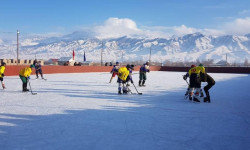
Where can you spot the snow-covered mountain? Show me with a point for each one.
(189, 47)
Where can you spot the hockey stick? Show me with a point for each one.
(186, 80)
(31, 90)
(137, 90)
(186, 96)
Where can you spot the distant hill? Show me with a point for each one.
(189, 47)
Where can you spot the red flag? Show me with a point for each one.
(73, 54)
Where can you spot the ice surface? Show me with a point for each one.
(84, 111)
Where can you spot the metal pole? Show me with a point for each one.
(17, 45)
(122, 56)
(101, 53)
(226, 57)
(150, 56)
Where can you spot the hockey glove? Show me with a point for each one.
(28, 77)
(3, 75)
(132, 81)
(184, 77)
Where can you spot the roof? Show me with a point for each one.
(53, 60)
(65, 59)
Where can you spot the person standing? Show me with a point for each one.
(2, 69)
(210, 82)
(114, 71)
(38, 68)
(195, 82)
(142, 73)
(34, 62)
(123, 73)
(129, 78)
(202, 69)
(24, 75)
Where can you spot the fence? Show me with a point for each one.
(14, 70)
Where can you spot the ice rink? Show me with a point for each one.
(84, 111)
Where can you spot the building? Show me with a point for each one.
(66, 61)
(51, 62)
(20, 61)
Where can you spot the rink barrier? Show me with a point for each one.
(241, 70)
(14, 70)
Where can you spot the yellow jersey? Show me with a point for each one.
(25, 72)
(196, 70)
(123, 73)
(2, 69)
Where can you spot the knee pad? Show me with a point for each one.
(191, 91)
(197, 91)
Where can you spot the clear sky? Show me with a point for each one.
(153, 16)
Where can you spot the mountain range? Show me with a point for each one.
(190, 47)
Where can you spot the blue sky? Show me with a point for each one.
(153, 16)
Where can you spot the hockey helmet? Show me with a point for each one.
(192, 66)
(32, 66)
(132, 66)
(117, 63)
(201, 65)
(3, 63)
(128, 66)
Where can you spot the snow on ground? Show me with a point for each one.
(84, 111)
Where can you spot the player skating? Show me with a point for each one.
(210, 82)
(123, 74)
(142, 74)
(185, 78)
(38, 68)
(2, 69)
(24, 75)
(195, 82)
(129, 78)
(114, 71)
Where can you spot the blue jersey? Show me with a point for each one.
(144, 68)
(38, 66)
(115, 68)
(129, 78)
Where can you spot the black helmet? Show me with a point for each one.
(3, 63)
(128, 66)
(132, 67)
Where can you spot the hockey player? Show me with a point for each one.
(195, 83)
(24, 75)
(34, 62)
(142, 74)
(38, 68)
(187, 75)
(210, 82)
(2, 69)
(114, 71)
(123, 73)
(129, 78)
